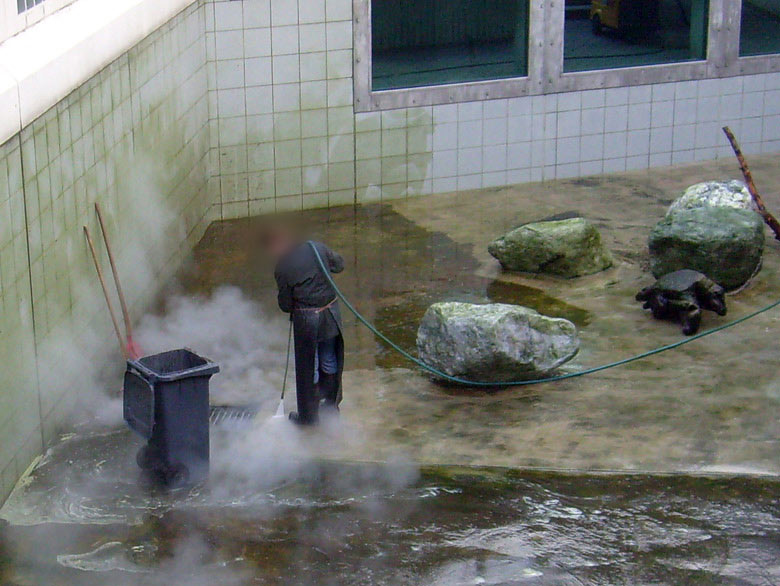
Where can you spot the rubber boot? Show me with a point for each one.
(329, 391)
(296, 419)
(308, 409)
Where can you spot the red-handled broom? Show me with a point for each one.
(132, 349)
(122, 345)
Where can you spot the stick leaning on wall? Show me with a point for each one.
(114, 321)
(132, 349)
(770, 220)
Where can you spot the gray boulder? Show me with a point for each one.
(728, 194)
(566, 248)
(724, 243)
(494, 342)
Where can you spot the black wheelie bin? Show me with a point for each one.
(166, 401)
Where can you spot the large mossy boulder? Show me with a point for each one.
(723, 194)
(724, 243)
(494, 342)
(565, 248)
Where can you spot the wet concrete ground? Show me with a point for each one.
(450, 498)
(327, 523)
(711, 405)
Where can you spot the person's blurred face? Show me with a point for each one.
(278, 243)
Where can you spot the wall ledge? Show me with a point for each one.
(44, 63)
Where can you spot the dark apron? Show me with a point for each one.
(311, 326)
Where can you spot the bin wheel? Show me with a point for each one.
(146, 458)
(596, 23)
(177, 475)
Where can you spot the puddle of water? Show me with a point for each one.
(357, 524)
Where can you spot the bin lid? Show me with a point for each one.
(174, 365)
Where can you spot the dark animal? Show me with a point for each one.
(682, 295)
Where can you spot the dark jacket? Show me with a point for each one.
(300, 279)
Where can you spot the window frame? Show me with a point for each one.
(545, 63)
(748, 64)
(26, 8)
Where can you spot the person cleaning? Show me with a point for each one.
(306, 294)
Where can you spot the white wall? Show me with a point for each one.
(492, 143)
(133, 137)
(285, 134)
(13, 22)
(282, 121)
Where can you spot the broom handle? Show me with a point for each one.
(105, 293)
(120, 293)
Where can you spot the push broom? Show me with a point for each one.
(122, 346)
(132, 350)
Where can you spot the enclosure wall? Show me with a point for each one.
(135, 139)
(293, 125)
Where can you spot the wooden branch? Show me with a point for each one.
(768, 217)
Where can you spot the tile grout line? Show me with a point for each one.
(32, 294)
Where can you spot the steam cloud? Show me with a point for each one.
(231, 330)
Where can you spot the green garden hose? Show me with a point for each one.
(461, 381)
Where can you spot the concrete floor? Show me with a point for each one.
(709, 406)
(285, 505)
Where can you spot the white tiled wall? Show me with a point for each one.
(280, 104)
(285, 136)
(504, 142)
(135, 139)
(20, 425)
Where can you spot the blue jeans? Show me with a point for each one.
(325, 359)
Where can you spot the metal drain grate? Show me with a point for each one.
(229, 414)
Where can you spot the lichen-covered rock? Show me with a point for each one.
(566, 248)
(724, 243)
(494, 342)
(725, 194)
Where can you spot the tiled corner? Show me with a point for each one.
(143, 118)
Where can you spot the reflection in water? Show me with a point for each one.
(321, 522)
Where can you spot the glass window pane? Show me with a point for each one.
(760, 29)
(607, 34)
(431, 42)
